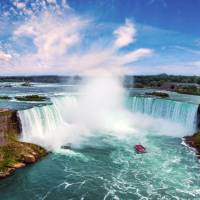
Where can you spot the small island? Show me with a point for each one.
(5, 98)
(158, 94)
(31, 98)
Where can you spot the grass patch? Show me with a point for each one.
(31, 98)
(7, 157)
(14, 151)
(186, 91)
(196, 139)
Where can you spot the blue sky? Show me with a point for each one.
(162, 36)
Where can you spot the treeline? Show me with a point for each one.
(159, 80)
(131, 80)
(41, 79)
(168, 78)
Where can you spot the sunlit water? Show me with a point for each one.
(106, 167)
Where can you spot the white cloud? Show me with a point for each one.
(4, 56)
(55, 38)
(19, 5)
(58, 44)
(134, 55)
(52, 1)
(106, 61)
(125, 34)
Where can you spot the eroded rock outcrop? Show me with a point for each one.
(9, 123)
(13, 153)
(194, 142)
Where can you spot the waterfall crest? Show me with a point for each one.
(181, 112)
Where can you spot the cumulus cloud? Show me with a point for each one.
(19, 5)
(125, 34)
(53, 45)
(55, 38)
(4, 56)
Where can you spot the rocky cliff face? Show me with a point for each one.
(9, 124)
(13, 153)
(198, 118)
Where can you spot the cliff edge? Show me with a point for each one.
(194, 142)
(13, 153)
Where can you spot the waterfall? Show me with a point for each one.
(181, 112)
(39, 123)
(66, 122)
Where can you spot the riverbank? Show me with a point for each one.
(181, 84)
(194, 142)
(13, 153)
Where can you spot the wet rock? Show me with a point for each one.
(12, 150)
(7, 172)
(29, 158)
(19, 165)
(194, 142)
(67, 146)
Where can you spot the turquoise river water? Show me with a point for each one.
(104, 165)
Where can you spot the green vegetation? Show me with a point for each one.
(7, 157)
(14, 152)
(188, 90)
(41, 79)
(194, 141)
(158, 94)
(5, 98)
(160, 80)
(31, 98)
(151, 80)
(157, 80)
(180, 84)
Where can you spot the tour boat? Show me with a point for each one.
(140, 149)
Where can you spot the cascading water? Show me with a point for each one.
(58, 123)
(39, 123)
(181, 112)
(68, 121)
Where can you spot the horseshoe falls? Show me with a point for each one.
(56, 124)
(181, 112)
